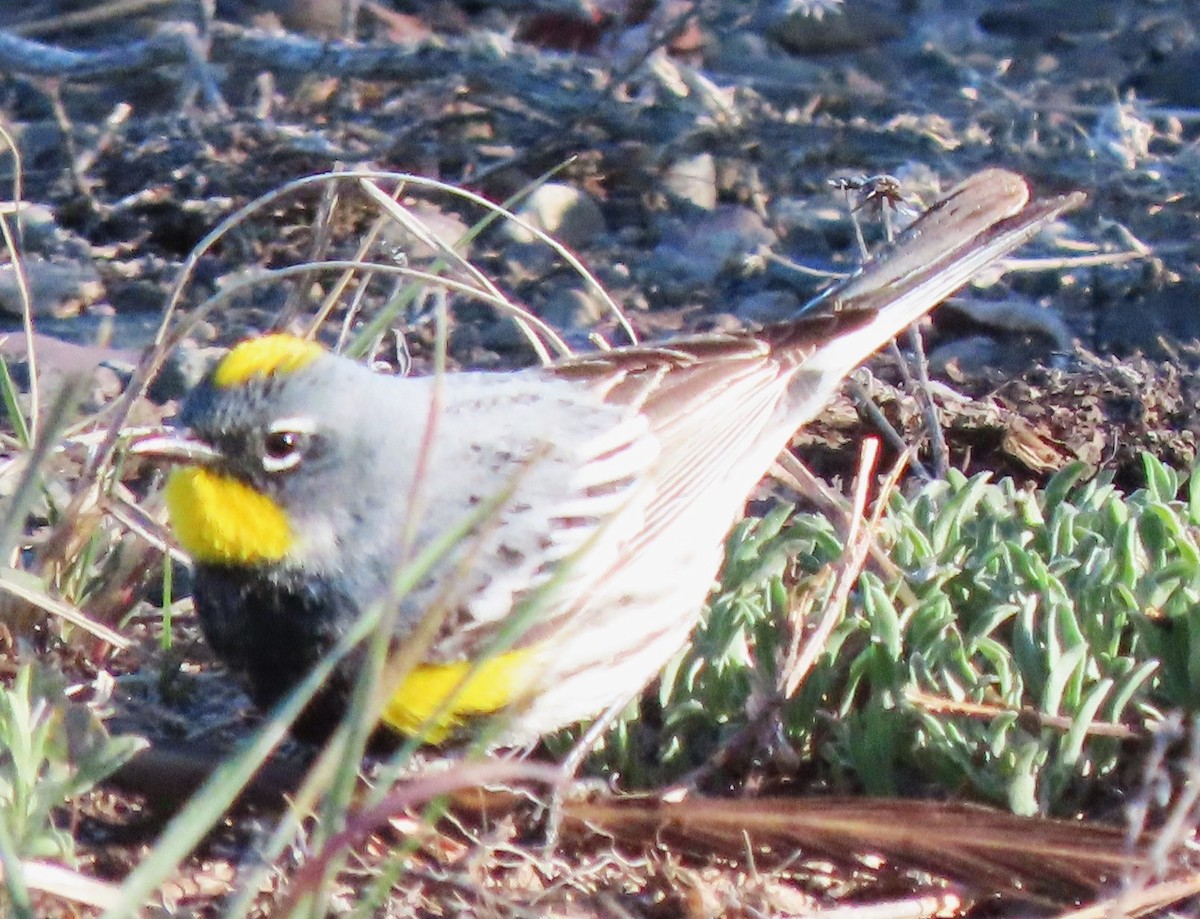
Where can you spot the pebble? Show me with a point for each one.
(55, 288)
(697, 251)
(693, 180)
(767, 306)
(565, 212)
(852, 27)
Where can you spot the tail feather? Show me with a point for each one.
(980, 222)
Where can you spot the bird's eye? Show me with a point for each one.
(283, 448)
(282, 444)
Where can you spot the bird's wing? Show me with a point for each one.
(563, 473)
(644, 456)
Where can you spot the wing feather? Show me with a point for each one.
(648, 453)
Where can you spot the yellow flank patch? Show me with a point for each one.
(221, 520)
(278, 353)
(436, 698)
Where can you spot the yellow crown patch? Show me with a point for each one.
(260, 357)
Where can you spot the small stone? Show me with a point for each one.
(853, 27)
(768, 306)
(55, 288)
(503, 336)
(563, 211)
(963, 358)
(185, 367)
(693, 180)
(699, 250)
(38, 226)
(528, 262)
(1041, 20)
(571, 310)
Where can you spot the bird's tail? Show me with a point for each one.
(978, 223)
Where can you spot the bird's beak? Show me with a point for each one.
(178, 447)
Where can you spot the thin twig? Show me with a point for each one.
(866, 405)
(800, 660)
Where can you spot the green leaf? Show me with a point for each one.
(1061, 483)
(1060, 677)
(1070, 749)
(1161, 482)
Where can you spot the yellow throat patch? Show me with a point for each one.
(260, 357)
(221, 520)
